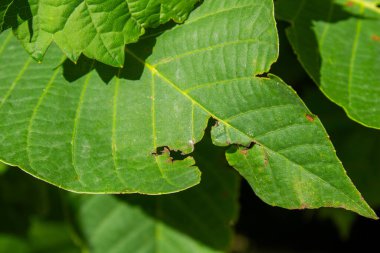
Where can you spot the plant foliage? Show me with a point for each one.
(115, 223)
(98, 29)
(118, 131)
(338, 43)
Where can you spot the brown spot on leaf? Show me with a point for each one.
(375, 37)
(309, 117)
(349, 3)
(266, 161)
(266, 158)
(244, 151)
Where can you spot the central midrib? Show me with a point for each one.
(169, 82)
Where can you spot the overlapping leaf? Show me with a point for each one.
(87, 136)
(362, 164)
(99, 29)
(196, 220)
(338, 43)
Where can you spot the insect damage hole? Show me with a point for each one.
(245, 149)
(174, 155)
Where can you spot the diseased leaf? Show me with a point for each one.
(99, 29)
(56, 130)
(197, 220)
(85, 149)
(292, 163)
(338, 43)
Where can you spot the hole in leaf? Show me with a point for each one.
(175, 155)
(263, 75)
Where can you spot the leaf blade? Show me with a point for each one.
(98, 29)
(165, 100)
(346, 76)
(155, 223)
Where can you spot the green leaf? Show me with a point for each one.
(9, 243)
(362, 163)
(75, 155)
(98, 29)
(292, 163)
(125, 224)
(197, 220)
(338, 43)
(86, 136)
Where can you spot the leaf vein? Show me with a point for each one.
(353, 58)
(254, 139)
(154, 131)
(201, 50)
(286, 127)
(34, 113)
(15, 82)
(6, 42)
(114, 145)
(259, 110)
(75, 128)
(223, 11)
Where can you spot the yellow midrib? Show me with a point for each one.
(154, 71)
